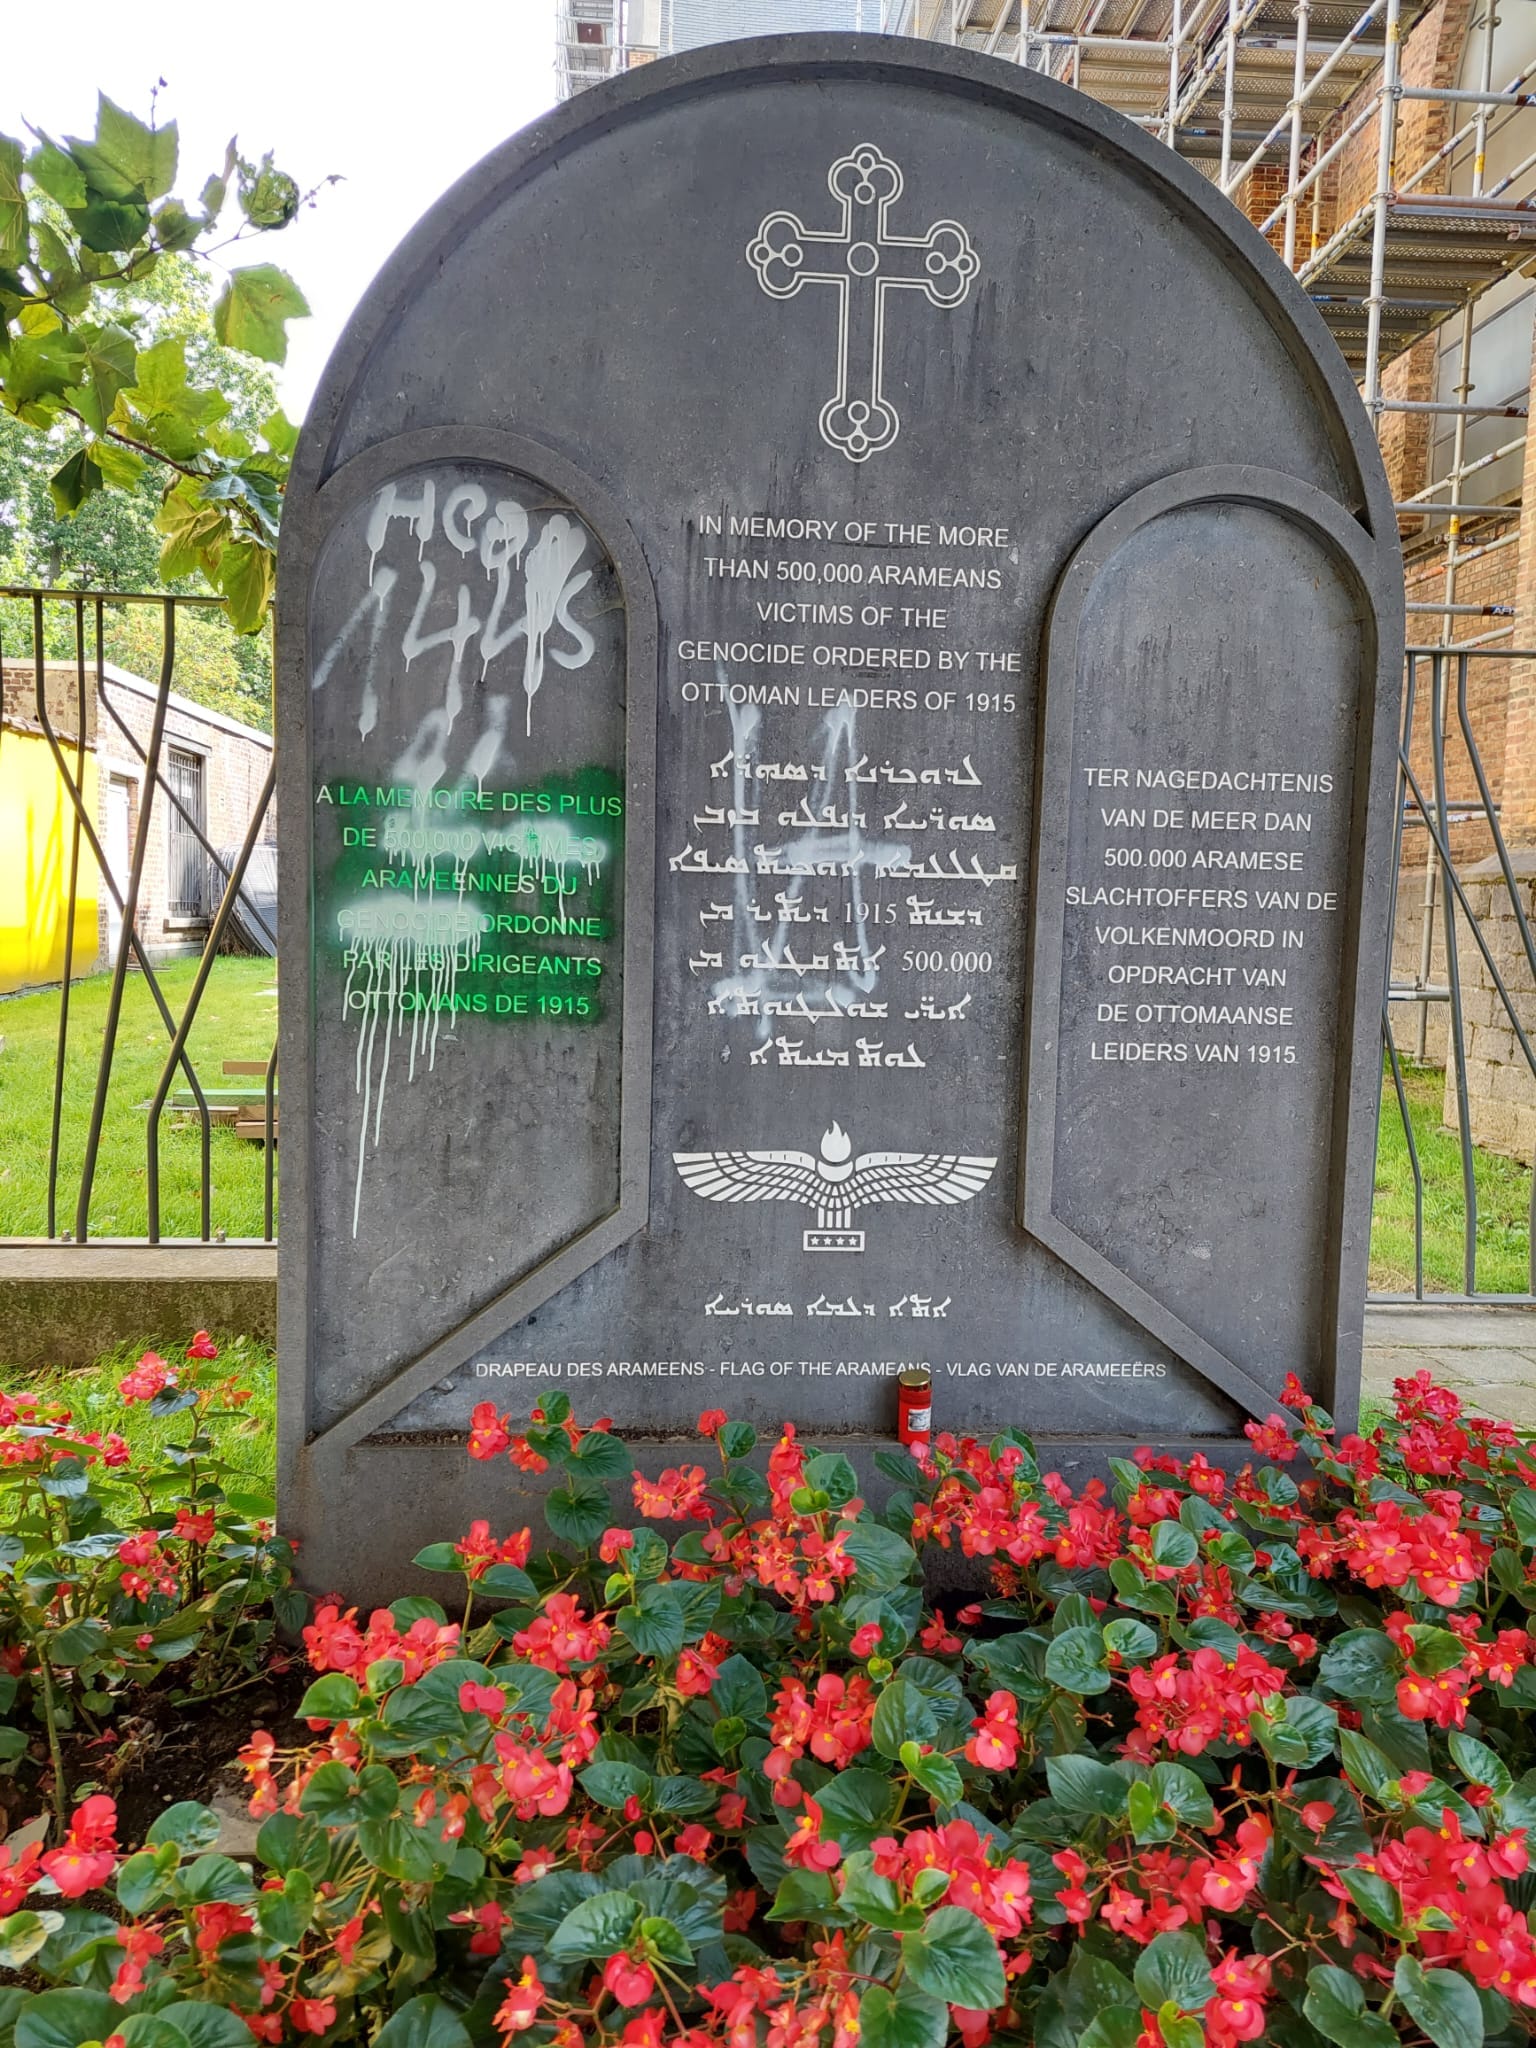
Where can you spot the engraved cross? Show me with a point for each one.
(864, 261)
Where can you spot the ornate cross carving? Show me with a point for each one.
(864, 260)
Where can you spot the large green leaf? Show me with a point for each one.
(1481, 1765)
(1522, 1512)
(330, 1796)
(332, 1698)
(1177, 1786)
(1361, 1665)
(285, 1916)
(1173, 1546)
(902, 1715)
(611, 1784)
(1088, 1986)
(1301, 1735)
(1118, 2026)
(208, 2026)
(595, 1929)
(739, 1689)
(655, 1624)
(601, 1456)
(876, 1899)
(1378, 1899)
(1082, 1785)
(1075, 1660)
(1444, 2003)
(1173, 1970)
(43, 366)
(245, 575)
(110, 227)
(63, 2019)
(78, 1640)
(1364, 1764)
(189, 1824)
(579, 1511)
(678, 1793)
(1150, 1819)
(409, 1854)
(212, 1879)
(884, 1558)
(56, 171)
(23, 1934)
(955, 1958)
(72, 483)
(1335, 2004)
(1131, 1640)
(253, 309)
(934, 1772)
(425, 2022)
(127, 155)
(858, 1806)
(808, 1895)
(903, 2018)
(149, 2030)
(108, 365)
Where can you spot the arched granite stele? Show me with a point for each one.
(1330, 1239)
(581, 307)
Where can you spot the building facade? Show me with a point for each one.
(212, 773)
(598, 39)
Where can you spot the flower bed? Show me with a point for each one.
(1219, 1759)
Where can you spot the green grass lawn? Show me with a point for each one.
(1503, 1201)
(90, 1393)
(237, 1019)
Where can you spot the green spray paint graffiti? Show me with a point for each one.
(494, 904)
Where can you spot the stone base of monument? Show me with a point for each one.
(430, 1491)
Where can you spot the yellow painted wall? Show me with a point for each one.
(36, 817)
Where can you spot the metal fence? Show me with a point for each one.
(1467, 935)
(205, 889)
(1461, 993)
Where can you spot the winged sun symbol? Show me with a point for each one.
(835, 1184)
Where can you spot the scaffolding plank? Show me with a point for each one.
(1441, 253)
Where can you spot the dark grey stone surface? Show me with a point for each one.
(908, 577)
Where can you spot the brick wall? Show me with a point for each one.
(1431, 56)
(1501, 1093)
(18, 699)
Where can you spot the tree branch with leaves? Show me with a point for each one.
(83, 225)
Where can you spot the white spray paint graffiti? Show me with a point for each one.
(404, 956)
(501, 538)
(740, 992)
(407, 949)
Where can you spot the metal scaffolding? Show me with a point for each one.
(598, 39)
(1278, 91)
(1375, 187)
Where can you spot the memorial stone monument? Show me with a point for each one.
(840, 625)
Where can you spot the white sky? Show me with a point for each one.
(400, 99)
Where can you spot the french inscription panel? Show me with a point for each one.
(467, 824)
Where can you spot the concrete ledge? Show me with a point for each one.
(67, 1304)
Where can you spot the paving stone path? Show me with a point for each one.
(1487, 1354)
